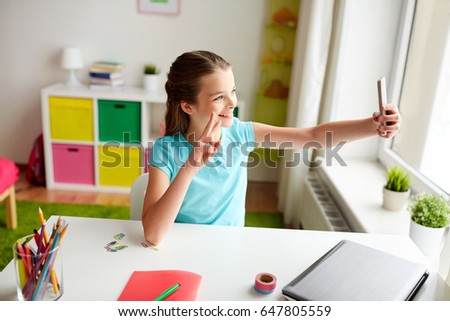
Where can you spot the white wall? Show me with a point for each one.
(32, 34)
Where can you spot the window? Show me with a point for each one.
(421, 90)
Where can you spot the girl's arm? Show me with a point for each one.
(163, 199)
(328, 134)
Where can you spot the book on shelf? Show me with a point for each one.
(107, 82)
(106, 67)
(106, 75)
(107, 64)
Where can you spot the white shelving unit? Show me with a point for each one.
(67, 118)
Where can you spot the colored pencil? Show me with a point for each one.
(53, 273)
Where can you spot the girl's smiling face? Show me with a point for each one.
(217, 94)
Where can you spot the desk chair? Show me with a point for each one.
(137, 193)
(9, 174)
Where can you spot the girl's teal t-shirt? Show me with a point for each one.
(217, 192)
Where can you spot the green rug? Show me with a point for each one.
(27, 217)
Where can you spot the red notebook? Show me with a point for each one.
(147, 285)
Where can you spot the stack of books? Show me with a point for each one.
(106, 74)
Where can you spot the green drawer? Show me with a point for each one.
(119, 121)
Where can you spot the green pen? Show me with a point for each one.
(167, 292)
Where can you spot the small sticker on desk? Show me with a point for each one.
(119, 236)
(115, 248)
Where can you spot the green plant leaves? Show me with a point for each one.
(430, 210)
(398, 180)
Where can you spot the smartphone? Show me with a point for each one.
(382, 100)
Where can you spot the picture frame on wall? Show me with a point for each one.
(164, 7)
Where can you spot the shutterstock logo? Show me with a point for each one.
(133, 154)
(300, 155)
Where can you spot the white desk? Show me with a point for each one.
(228, 258)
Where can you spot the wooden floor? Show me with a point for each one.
(261, 197)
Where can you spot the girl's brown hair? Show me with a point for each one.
(183, 85)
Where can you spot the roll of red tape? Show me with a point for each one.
(265, 283)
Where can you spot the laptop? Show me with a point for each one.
(354, 272)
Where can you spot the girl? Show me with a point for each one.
(197, 172)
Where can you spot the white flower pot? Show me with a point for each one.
(394, 201)
(429, 240)
(444, 259)
(152, 83)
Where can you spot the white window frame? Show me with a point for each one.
(385, 154)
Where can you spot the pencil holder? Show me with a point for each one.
(38, 266)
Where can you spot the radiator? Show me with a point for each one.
(319, 209)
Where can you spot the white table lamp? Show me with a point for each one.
(71, 60)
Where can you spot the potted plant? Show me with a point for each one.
(151, 77)
(430, 216)
(397, 189)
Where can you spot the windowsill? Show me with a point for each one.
(358, 189)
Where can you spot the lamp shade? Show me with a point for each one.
(71, 58)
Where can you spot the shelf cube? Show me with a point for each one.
(71, 119)
(119, 121)
(119, 165)
(73, 164)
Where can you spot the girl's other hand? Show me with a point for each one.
(389, 123)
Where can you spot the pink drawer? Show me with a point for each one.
(73, 164)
